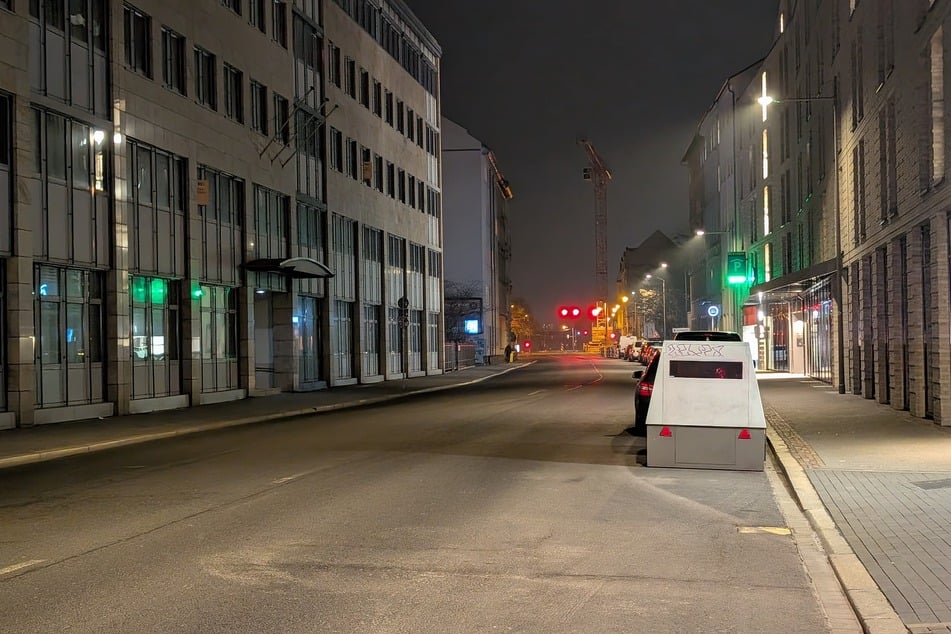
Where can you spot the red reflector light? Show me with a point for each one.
(744, 435)
(666, 433)
(645, 389)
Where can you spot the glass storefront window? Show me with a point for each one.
(155, 324)
(69, 349)
(219, 338)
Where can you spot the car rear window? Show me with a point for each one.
(707, 369)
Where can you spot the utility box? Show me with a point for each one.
(706, 411)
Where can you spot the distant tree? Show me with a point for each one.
(523, 326)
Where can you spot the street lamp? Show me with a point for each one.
(704, 232)
(664, 298)
(765, 101)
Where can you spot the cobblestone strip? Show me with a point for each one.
(799, 448)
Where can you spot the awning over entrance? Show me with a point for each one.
(792, 284)
(297, 268)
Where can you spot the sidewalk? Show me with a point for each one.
(876, 486)
(49, 442)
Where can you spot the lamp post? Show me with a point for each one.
(765, 101)
(663, 299)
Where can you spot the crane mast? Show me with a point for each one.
(599, 175)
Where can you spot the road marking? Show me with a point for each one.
(536, 392)
(20, 566)
(772, 530)
(287, 479)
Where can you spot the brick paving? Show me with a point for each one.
(884, 479)
(897, 524)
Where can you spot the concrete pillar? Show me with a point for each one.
(116, 306)
(21, 369)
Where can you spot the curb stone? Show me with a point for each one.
(871, 607)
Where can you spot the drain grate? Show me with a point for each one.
(934, 484)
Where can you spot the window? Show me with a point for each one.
(69, 343)
(225, 197)
(352, 160)
(937, 106)
(258, 107)
(410, 124)
(282, 119)
(234, 5)
(256, 14)
(219, 338)
(400, 116)
(206, 85)
(390, 180)
(377, 98)
(364, 88)
(279, 26)
(350, 77)
(234, 93)
(334, 70)
(6, 142)
(138, 39)
(401, 185)
(706, 369)
(336, 150)
(388, 102)
(378, 172)
(173, 60)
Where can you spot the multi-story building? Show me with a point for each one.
(171, 213)
(477, 237)
(841, 157)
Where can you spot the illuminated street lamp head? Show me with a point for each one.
(648, 276)
(765, 100)
(663, 265)
(626, 299)
(700, 232)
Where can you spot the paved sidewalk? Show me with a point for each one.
(49, 442)
(876, 486)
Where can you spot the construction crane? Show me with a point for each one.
(599, 174)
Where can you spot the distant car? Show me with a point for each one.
(648, 350)
(707, 335)
(642, 394)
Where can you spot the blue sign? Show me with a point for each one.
(713, 310)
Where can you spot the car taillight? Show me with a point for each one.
(645, 389)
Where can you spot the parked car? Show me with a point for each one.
(648, 350)
(643, 390)
(707, 335)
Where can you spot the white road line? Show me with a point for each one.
(536, 392)
(287, 479)
(20, 566)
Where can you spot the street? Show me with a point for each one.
(518, 504)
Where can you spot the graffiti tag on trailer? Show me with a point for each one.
(694, 350)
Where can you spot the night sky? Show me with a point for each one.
(528, 77)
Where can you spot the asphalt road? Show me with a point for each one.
(520, 504)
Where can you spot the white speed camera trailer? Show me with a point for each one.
(705, 410)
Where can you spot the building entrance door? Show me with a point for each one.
(263, 340)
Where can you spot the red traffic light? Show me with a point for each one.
(594, 311)
(527, 345)
(613, 335)
(575, 311)
(563, 312)
(584, 332)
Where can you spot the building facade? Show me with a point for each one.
(174, 230)
(476, 203)
(841, 158)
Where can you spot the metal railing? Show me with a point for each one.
(459, 356)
